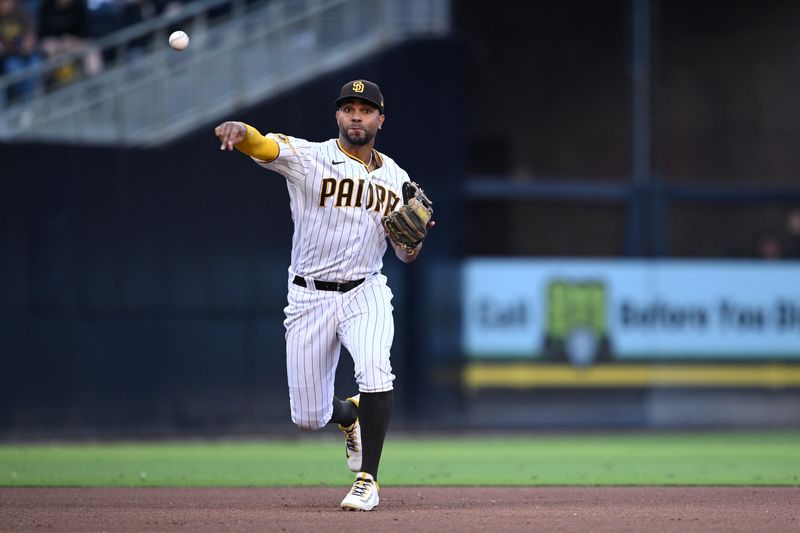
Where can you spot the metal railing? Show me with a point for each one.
(241, 52)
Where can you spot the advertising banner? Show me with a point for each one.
(590, 311)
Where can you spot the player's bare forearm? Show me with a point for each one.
(405, 255)
(405, 227)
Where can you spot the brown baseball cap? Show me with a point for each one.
(363, 89)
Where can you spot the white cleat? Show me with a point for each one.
(364, 494)
(352, 440)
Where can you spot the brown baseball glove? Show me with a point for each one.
(408, 226)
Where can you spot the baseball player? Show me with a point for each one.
(345, 198)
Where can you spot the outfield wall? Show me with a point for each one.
(141, 293)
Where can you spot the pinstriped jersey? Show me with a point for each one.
(337, 206)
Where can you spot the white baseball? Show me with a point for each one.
(179, 40)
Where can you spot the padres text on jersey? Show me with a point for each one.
(337, 206)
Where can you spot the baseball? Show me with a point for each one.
(179, 40)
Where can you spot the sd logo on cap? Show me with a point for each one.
(363, 90)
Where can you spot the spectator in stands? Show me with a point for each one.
(18, 47)
(64, 29)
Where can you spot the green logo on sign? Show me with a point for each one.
(577, 322)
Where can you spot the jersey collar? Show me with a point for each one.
(377, 155)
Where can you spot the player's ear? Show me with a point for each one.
(380, 121)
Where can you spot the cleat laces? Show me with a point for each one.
(360, 487)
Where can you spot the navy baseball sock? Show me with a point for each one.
(374, 410)
(344, 412)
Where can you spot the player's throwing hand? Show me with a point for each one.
(230, 133)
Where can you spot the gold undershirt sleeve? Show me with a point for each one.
(256, 145)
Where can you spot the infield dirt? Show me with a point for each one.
(434, 509)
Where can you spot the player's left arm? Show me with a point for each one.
(406, 255)
(407, 226)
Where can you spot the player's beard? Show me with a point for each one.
(359, 140)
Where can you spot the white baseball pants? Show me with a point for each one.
(317, 324)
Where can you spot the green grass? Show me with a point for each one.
(769, 458)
